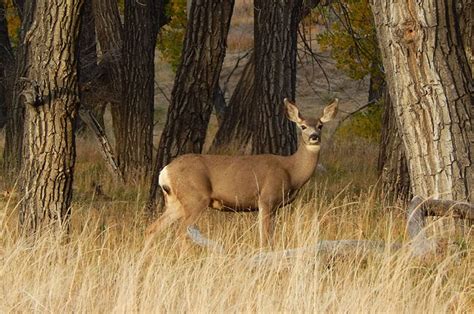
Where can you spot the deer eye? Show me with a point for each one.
(320, 126)
(303, 127)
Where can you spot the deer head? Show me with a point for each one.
(310, 127)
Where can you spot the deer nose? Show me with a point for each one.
(314, 137)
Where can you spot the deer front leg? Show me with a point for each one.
(266, 217)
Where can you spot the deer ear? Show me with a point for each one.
(292, 112)
(330, 111)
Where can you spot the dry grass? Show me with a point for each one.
(105, 268)
(241, 31)
(239, 42)
(243, 13)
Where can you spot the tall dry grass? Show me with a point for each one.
(104, 267)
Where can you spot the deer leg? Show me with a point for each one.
(192, 210)
(172, 213)
(161, 223)
(266, 216)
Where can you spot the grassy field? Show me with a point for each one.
(104, 266)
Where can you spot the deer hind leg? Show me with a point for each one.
(173, 212)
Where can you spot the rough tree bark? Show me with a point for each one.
(87, 59)
(128, 60)
(276, 26)
(134, 143)
(89, 73)
(196, 79)
(392, 164)
(15, 110)
(465, 12)
(428, 79)
(7, 61)
(94, 90)
(51, 103)
(109, 32)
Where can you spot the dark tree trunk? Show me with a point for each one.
(3, 96)
(89, 73)
(15, 110)
(465, 13)
(392, 164)
(51, 102)
(6, 65)
(235, 132)
(376, 85)
(236, 125)
(128, 60)
(196, 80)
(20, 5)
(109, 34)
(135, 137)
(429, 82)
(276, 26)
(87, 59)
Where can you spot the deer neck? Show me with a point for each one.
(303, 163)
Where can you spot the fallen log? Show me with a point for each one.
(334, 247)
(432, 207)
(323, 246)
(417, 212)
(419, 244)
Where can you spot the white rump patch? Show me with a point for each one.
(164, 178)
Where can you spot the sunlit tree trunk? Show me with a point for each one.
(51, 102)
(429, 83)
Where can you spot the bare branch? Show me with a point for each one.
(106, 149)
(226, 82)
(162, 92)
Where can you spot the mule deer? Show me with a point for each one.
(193, 182)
